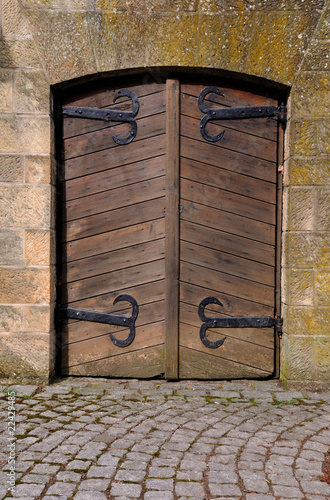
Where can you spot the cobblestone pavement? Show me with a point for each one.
(94, 439)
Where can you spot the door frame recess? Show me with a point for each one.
(173, 78)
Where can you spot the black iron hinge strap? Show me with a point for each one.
(109, 319)
(231, 322)
(233, 113)
(110, 114)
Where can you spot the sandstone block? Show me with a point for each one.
(25, 206)
(322, 287)
(11, 318)
(324, 136)
(175, 43)
(37, 318)
(38, 169)
(39, 247)
(323, 29)
(219, 42)
(278, 43)
(299, 287)
(301, 209)
(323, 209)
(308, 320)
(55, 4)
(19, 286)
(309, 172)
(120, 39)
(6, 93)
(304, 137)
(311, 94)
(322, 356)
(11, 247)
(65, 49)
(317, 57)
(24, 357)
(11, 168)
(307, 250)
(31, 92)
(297, 358)
(18, 54)
(14, 24)
(25, 134)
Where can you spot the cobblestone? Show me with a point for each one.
(94, 439)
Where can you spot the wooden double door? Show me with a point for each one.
(175, 226)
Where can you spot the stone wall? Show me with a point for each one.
(47, 42)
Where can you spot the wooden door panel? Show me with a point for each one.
(227, 230)
(113, 230)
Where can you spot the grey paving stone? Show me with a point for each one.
(287, 491)
(35, 478)
(161, 472)
(129, 490)
(106, 471)
(60, 488)
(23, 390)
(315, 487)
(224, 489)
(90, 495)
(195, 490)
(68, 476)
(33, 490)
(94, 484)
(159, 484)
(78, 465)
(158, 495)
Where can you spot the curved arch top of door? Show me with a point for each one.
(168, 229)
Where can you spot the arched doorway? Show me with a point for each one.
(169, 223)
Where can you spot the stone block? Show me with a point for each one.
(278, 43)
(304, 137)
(307, 250)
(309, 172)
(25, 206)
(11, 168)
(311, 94)
(31, 286)
(323, 209)
(322, 357)
(307, 320)
(317, 57)
(31, 92)
(24, 357)
(120, 39)
(38, 169)
(14, 24)
(11, 318)
(175, 43)
(323, 29)
(55, 4)
(65, 49)
(18, 54)
(39, 247)
(301, 209)
(224, 40)
(6, 90)
(322, 288)
(299, 287)
(297, 358)
(324, 137)
(11, 247)
(25, 134)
